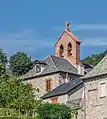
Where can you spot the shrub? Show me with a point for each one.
(6, 113)
(54, 111)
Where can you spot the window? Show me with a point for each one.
(61, 51)
(38, 68)
(48, 85)
(102, 89)
(69, 49)
(54, 100)
(92, 97)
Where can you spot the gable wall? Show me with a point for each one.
(95, 106)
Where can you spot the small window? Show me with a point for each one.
(38, 68)
(48, 85)
(102, 89)
(61, 51)
(54, 100)
(69, 49)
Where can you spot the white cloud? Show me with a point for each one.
(25, 40)
(95, 41)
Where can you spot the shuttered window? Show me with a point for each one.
(103, 90)
(48, 85)
(54, 100)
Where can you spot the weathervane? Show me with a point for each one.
(67, 26)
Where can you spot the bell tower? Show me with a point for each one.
(68, 46)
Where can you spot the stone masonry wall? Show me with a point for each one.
(40, 82)
(95, 106)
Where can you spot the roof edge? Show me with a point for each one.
(68, 32)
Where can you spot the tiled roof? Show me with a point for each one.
(99, 69)
(53, 64)
(63, 89)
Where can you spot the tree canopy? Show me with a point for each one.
(94, 59)
(54, 111)
(15, 94)
(20, 64)
(3, 58)
(3, 62)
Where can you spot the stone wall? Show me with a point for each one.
(40, 82)
(56, 80)
(95, 106)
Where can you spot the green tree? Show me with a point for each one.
(54, 111)
(94, 59)
(15, 94)
(3, 58)
(20, 64)
(3, 62)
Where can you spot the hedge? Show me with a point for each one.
(54, 111)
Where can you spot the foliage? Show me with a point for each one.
(5, 112)
(3, 62)
(54, 111)
(20, 64)
(95, 58)
(3, 58)
(14, 94)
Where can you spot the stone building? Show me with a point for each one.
(63, 69)
(95, 88)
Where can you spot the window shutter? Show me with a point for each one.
(103, 89)
(54, 100)
(48, 85)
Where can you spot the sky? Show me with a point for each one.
(33, 26)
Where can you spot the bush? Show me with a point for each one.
(54, 111)
(13, 114)
(4, 112)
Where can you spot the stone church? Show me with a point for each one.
(64, 78)
(57, 78)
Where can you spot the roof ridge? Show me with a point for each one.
(96, 68)
(73, 36)
(54, 63)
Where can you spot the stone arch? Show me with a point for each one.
(61, 50)
(69, 49)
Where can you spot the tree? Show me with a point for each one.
(54, 111)
(20, 64)
(3, 62)
(15, 94)
(3, 58)
(94, 59)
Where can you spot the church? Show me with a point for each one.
(65, 79)
(57, 78)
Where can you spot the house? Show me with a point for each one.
(95, 92)
(61, 70)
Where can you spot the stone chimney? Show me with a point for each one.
(80, 69)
